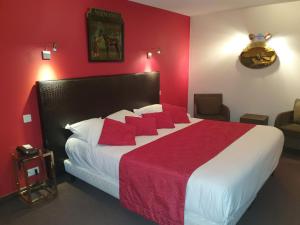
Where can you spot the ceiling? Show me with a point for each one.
(198, 7)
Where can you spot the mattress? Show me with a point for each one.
(217, 193)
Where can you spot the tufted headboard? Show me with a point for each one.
(72, 100)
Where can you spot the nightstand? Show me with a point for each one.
(35, 176)
(255, 119)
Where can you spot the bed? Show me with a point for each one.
(217, 193)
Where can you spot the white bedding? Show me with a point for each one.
(218, 192)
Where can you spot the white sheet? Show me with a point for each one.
(219, 191)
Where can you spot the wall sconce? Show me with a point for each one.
(54, 46)
(46, 54)
(150, 54)
(258, 54)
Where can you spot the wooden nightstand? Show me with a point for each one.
(42, 184)
(255, 119)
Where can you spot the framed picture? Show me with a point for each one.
(105, 36)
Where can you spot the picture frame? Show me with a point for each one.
(105, 36)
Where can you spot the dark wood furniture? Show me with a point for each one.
(42, 185)
(255, 119)
(73, 100)
(210, 106)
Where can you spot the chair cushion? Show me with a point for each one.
(209, 105)
(297, 111)
(292, 130)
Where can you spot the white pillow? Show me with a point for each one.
(120, 115)
(87, 130)
(149, 109)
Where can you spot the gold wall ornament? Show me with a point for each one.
(257, 54)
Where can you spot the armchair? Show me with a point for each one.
(210, 106)
(289, 123)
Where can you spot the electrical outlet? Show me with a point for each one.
(33, 171)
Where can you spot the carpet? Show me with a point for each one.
(277, 203)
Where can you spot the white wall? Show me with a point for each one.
(218, 39)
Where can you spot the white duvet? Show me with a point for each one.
(218, 192)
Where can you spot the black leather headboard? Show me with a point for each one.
(72, 100)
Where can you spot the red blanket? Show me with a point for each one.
(153, 177)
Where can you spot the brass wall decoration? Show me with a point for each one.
(257, 54)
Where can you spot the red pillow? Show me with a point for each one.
(177, 113)
(144, 126)
(117, 133)
(163, 119)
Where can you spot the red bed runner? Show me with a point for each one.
(153, 177)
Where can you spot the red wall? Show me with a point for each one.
(27, 27)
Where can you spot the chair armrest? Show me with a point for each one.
(284, 118)
(225, 112)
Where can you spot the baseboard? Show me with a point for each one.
(7, 197)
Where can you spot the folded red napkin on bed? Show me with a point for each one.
(117, 133)
(144, 126)
(177, 113)
(163, 119)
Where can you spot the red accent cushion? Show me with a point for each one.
(163, 119)
(117, 133)
(178, 114)
(144, 126)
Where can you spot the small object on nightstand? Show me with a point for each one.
(27, 150)
(255, 119)
(35, 174)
